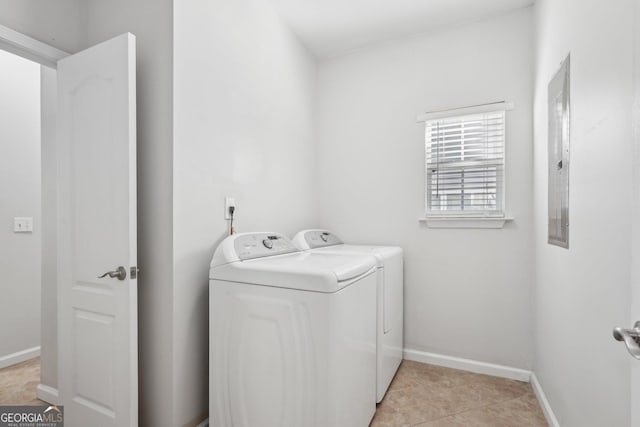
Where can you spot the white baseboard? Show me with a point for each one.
(204, 423)
(544, 403)
(468, 365)
(48, 394)
(21, 356)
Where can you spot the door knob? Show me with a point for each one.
(631, 339)
(119, 274)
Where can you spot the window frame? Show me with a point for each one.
(461, 218)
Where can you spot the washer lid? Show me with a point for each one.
(326, 241)
(309, 271)
(381, 253)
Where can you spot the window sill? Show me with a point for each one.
(465, 222)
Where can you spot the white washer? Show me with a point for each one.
(390, 284)
(292, 335)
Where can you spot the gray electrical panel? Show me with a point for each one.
(559, 131)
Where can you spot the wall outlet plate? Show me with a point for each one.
(23, 224)
(228, 202)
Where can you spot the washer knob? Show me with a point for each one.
(268, 243)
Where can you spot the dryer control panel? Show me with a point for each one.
(258, 245)
(321, 238)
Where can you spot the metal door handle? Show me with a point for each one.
(119, 274)
(631, 339)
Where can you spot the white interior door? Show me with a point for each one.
(635, 263)
(635, 305)
(635, 243)
(98, 342)
(635, 219)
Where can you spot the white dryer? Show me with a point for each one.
(292, 335)
(390, 300)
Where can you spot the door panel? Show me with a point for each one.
(94, 333)
(97, 234)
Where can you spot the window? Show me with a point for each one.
(465, 163)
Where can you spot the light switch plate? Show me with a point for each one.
(23, 224)
(228, 202)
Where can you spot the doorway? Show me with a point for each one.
(27, 237)
(88, 122)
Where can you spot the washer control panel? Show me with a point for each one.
(319, 239)
(258, 245)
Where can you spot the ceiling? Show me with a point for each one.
(331, 27)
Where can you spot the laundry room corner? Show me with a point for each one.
(244, 93)
(474, 281)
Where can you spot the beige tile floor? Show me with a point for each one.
(18, 384)
(420, 395)
(432, 396)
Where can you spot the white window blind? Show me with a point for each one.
(465, 165)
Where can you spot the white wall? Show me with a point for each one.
(583, 292)
(151, 22)
(467, 292)
(19, 197)
(49, 171)
(243, 109)
(59, 23)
